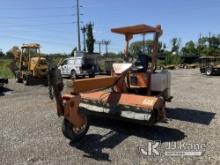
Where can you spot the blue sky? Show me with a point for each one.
(50, 22)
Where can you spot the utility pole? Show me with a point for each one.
(106, 43)
(143, 43)
(78, 24)
(99, 43)
(84, 37)
(199, 43)
(209, 39)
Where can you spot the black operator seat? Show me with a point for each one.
(141, 64)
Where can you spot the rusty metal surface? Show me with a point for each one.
(31, 131)
(92, 83)
(71, 110)
(136, 29)
(129, 31)
(142, 80)
(113, 98)
(118, 111)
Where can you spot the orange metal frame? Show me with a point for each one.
(117, 81)
(130, 31)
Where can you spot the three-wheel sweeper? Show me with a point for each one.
(135, 90)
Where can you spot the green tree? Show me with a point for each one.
(1, 54)
(162, 48)
(72, 53)
(175, 42)
(145, 47)
(9, 54)
(90, 39)
(13, 52)
(190, 48)
(171, 58)
(135, 48)
(209, 46)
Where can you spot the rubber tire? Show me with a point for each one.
(73, 75)
(208, 71)
(92, 75)
(26, 80)
(17, 79)
(67, 130)
(201, 71)
(153, 118)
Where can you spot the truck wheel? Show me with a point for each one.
(73, 74)
(17, 78)
(72, 133)
(201, 70)
(209, 71)
(92, 75)
(26, 80)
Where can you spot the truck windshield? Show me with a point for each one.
(64, 62)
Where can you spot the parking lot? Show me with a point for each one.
(30, 131)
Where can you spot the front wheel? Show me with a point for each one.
(17, 78)
(185, 67)
(73, 74)
(73, 133)
(209, 71)
(92, 75)
(26, 80)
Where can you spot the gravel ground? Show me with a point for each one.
(30, 131)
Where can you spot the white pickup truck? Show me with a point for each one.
(80, 65)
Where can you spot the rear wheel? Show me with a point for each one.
(209, 71)
(26, 80)
(73, 74)
(92, 75)
(201, 70)
(73, 133)
(17, 78)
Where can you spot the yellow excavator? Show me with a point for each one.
(31, 66)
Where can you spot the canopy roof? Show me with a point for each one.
(31, 46)
(137, 29)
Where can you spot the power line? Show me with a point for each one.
(40, 16)
(40, 24)
(29, 25)
(48, 30)
(36, 8)
(46, 41)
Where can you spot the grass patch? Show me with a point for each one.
(4, 69)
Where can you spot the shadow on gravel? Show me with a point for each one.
(38, 82)
(190, 115)
(93, 144)
(4, 90)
